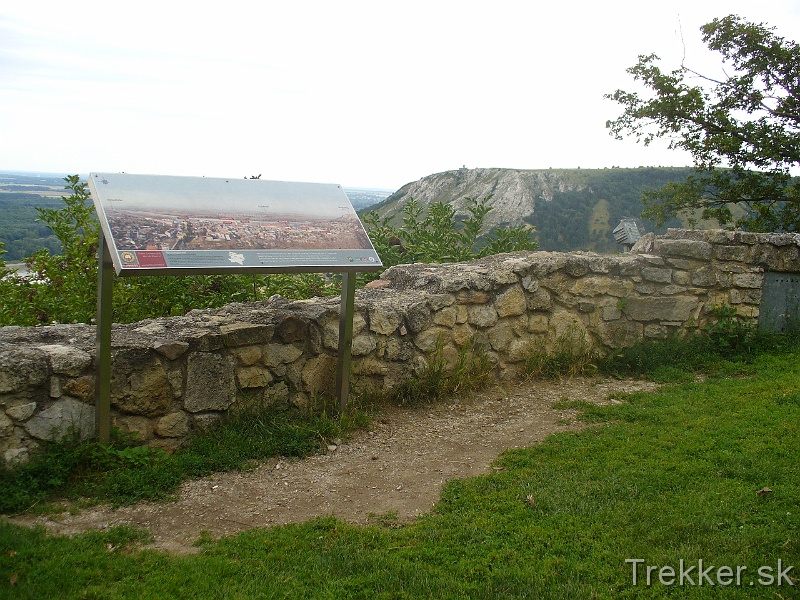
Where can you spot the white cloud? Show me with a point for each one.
(372, 93)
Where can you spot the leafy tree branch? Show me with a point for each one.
(742, 130)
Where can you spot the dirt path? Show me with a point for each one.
(397, 467)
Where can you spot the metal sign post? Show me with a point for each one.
(163, 225)
(102, 387)
(346, 309)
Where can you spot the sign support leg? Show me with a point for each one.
(345, 339)
(102, 386)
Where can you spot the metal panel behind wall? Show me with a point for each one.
(780, 303)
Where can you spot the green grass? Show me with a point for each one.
(125, 472)
(661, 477)
(472, 370)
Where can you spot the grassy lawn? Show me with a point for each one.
(678, 475)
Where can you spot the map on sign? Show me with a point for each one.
(159, 223)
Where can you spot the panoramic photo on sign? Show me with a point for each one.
(163, 223)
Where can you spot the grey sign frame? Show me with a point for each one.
(308, 244)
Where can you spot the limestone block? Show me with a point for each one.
(450, 358)
(657, 275)
(395, 349)
(748, 280)
(205, 421)
(462, 334)
(565, 323)
(171, 350)
(592, 286)
(538, 323)
(673, 308)
(55, 386)
(653, 331)
(745, 296)
(418, 317)
(253, 377)
(611, 313)
(16, 456)
(319, 374)
(79, 387)
(370, 366)
(652, 259)
(56, 421)
(209, 342)
(6, 426)
(733, 253)
(669, 290)
(21, 368)
(315, 341)
(681, 278)
(682, 263)
(500, 335)
(519, 324)
(428, 339)
(210, 383)
(139, 384)
(384, 319)
(745, 237)
(20, 412)
(140, 426)
(599, 264)
(294, 373)
(247, 355)
(277, 354)
(539, 300)
(359, 323)
(473, 297)
(446, 317)
(175, 378)
(687, 248)
(576, 266)
(704, 276)
(65, 360)
(440, 301)
(519, 349)
(530, 284)
(511, 302)
(292, 329)
(277, 394)
(330, 335)
(647, 289)
(482, 315)
(173, 425)
(747, 311)
(363, 344)
(619, 334)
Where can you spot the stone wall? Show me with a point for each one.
(173, 375)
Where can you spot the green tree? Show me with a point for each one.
(439, 235)
(742, 129)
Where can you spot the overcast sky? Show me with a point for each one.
(369, 94)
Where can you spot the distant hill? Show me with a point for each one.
(571, 209)
(20, 194)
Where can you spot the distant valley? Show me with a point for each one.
(570, 209)
(21, 192)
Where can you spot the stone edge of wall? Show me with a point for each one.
(172, 376)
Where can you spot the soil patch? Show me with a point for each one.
(398, 468)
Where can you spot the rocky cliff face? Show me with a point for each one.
(514, 192)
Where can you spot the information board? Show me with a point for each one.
(170, 225)
(159, 224)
